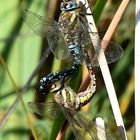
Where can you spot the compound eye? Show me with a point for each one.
(68, 5)
(52, 86)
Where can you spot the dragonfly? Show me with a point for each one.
(63, 35)
(68, 102)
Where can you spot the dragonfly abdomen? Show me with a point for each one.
(69, 26)
(84, 97)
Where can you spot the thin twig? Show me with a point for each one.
(62, 131)
(12, 92)
(24, 89)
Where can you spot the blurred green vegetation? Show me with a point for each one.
(21, 50)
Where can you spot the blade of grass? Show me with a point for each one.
(99, 7)
(56, 126)
(126, 98)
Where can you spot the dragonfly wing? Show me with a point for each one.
(112, 53)
(83, 128)
(44, 108)
(74, 124)
(86, 32)
(57, 44)
(91, 129)
(49, 29)
(40, 25)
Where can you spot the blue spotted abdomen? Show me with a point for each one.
(70, 29)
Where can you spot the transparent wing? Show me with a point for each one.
(92, 129)
(49, 29)
(48, 109)
(75, 125)
(83, 128)
(112, 53)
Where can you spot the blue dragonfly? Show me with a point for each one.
(63, 36)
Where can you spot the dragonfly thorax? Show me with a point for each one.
(66, 98)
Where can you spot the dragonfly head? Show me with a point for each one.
(70, 5)
(52, 82)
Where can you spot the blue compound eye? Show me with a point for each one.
(67, 6)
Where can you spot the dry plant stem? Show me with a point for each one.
(51, 9)
(108, 36)
(24, 89)
(62, 131)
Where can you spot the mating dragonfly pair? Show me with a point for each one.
(70, 35)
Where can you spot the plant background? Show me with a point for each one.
(22, 50)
